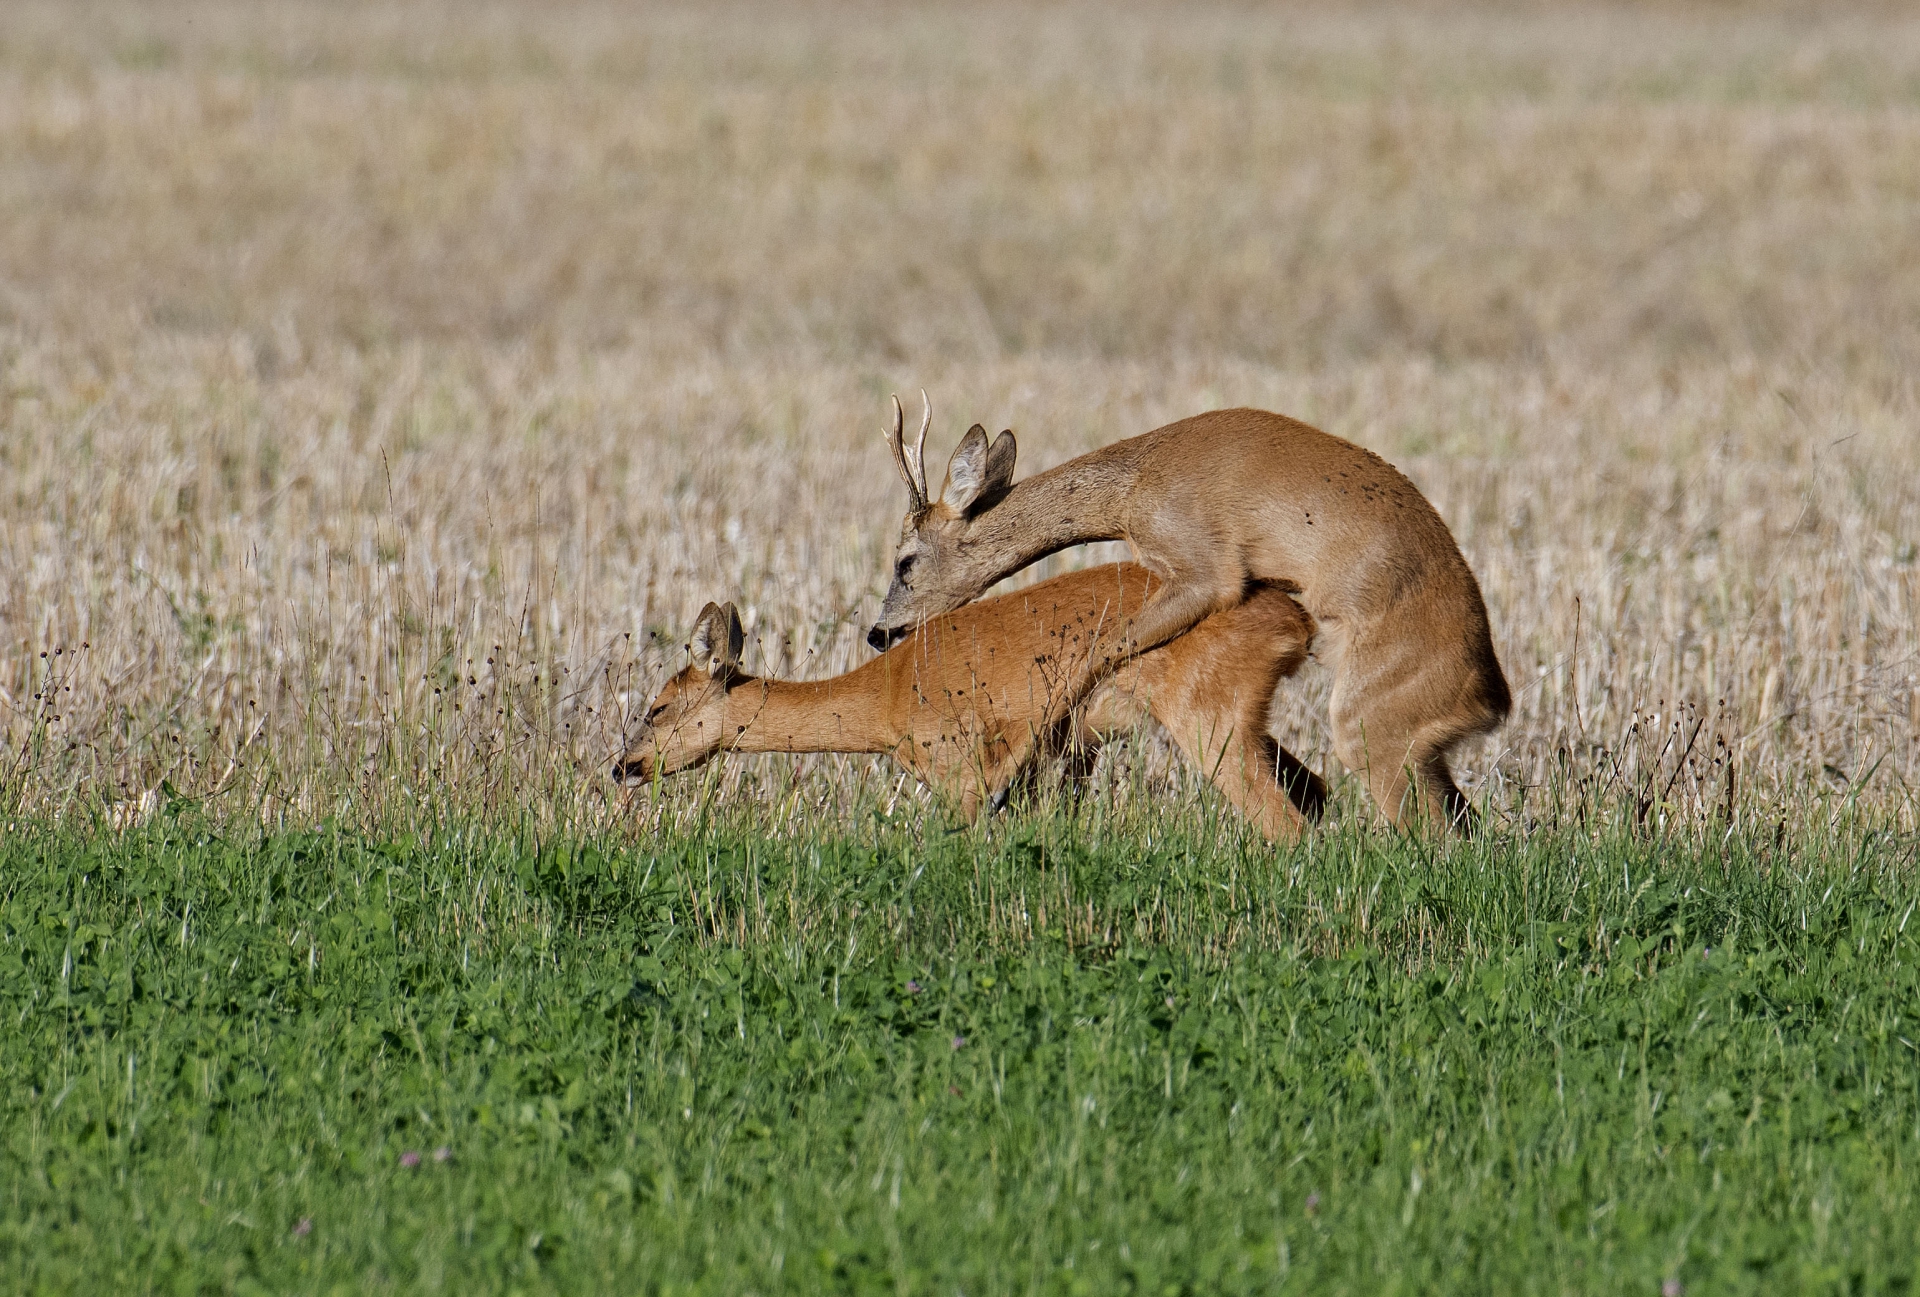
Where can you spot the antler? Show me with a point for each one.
(912, 471)
(920, 446)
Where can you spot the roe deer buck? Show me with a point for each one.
(1213, 505)
(959, 702)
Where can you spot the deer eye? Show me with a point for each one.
(904, 568)
(656, 713)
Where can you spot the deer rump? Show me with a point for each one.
(961, 699)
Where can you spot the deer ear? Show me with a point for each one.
(717, 640)
(706, 633)
(736, 640)
(1000, 459)
(967, 472)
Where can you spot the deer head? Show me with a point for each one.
(932, 569)
(685, 722)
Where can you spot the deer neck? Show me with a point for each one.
(1079, 501)
(837, 715)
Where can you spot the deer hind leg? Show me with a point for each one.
(1272, 786)
(1290, 633)
(1269, 785)
(1368, 750)
(1213, 690)
(1443, 797)
(1283, 633)
(1305, 789)
(1397, 736)
(1261, 779)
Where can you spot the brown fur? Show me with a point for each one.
(960, 701)
(1215, 505)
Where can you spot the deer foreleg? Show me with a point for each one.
(985, 779)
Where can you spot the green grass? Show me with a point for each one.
(1053, 1059)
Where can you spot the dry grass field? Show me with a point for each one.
(384, 388)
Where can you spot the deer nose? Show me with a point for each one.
(631, 768)
(878, 639)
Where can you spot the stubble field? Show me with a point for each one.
(383, 389)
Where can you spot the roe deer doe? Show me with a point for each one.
(1216, 505)
(960, 702)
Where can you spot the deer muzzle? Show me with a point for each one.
(636, 767)
(882, 638)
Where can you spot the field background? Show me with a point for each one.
(361, 361)
(385, 387)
